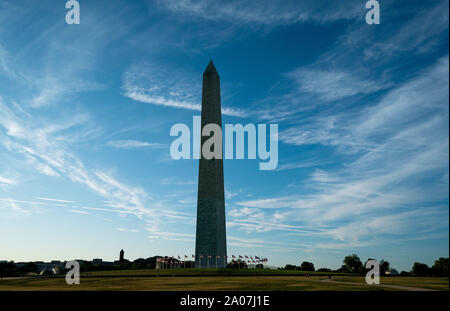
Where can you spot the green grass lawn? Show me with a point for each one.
(187, 283)
(263, 283)
(205, 272)
(422, 282)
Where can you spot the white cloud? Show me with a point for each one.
(127, 230)
(267, 203)
(172, 236)
(55, 200)
(79, 212)
(400, 111)
(421, 33)
(425, 220)
(158, 86)
(333, 85)
(395, 175)
(266, 12)
(7, 181)
(41, 144)
(128, 144)
(321, 176)
(249, 243)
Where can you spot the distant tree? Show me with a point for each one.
(365, 270)
(342, 269)
(404, 273)
(307, 266)
(86, 266)
(27, 268)
(440, 267)
(323, 270)
(151, 263)
(7, 269)
(384, 267)
(139, 263)
(124, 264)
(31, 267)
(393, 272)
(290, 267)
(353, 264)
(420, 269)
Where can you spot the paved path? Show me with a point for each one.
(407, 288)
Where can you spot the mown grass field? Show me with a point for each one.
(422, 282)
(215, 272)
(263, 283)
(229, 283)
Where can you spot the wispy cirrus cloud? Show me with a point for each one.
(341, 74)
(77, 211)
(55, 200)
(395, 174)
(172, 236)
(420, 34)
(130, 144)
(267, 203)
(128, 230)
(155, 85)
(41, 144)
(333, 85)
(266, 12)
(377, 123)
(7, 181)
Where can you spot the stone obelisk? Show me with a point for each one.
(210, 244)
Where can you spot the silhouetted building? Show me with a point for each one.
(122, 253)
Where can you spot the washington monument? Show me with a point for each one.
(210, 244)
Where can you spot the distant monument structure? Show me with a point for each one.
(210, 244)
(121, 255)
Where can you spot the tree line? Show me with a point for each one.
(353, 264)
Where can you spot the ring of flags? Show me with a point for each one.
(245, 258)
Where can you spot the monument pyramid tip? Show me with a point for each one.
(211, 67)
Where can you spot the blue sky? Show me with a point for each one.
(362, 111)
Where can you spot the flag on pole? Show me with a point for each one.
(232, 256)
(246, 256)
(193, 256)
(240, 256)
